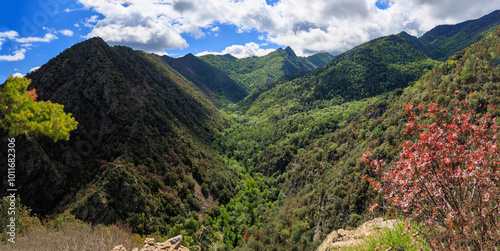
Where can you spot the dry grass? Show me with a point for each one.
(73, 236)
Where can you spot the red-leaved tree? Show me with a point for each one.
(448, 178)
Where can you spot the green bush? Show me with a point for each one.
(400, 237)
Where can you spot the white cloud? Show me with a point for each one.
(18, 55)
(68, 10)
(308, 26)
(24, 42)
(68, 33)
(9, 34)
(64, 32)
(18, 75)
(46, 39)
(92, 19)
(241, 51)
(34, 68)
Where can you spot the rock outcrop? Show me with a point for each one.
(339, 239)
(150, 245)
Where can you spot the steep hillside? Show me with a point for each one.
(255, 71)
(444, 40)
(286, 167)
(374, 67)
(212, 81)
(367, 70)
(320, 59)
(313, 155)
(141, 153)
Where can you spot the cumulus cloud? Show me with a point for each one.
(18, 75)
(91, 21)
(18, 55)
(68, 33)
(24, 42)
(307, 26)
(34, 68)
(49, 37)
(53, 31)
(241, 51)
(7, 35)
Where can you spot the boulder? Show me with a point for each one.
(172, 244)
(340, 239)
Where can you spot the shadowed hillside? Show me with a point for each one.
(141, 153)
(213, 82)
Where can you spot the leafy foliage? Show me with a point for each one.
(320, 174)
(449, 177)
(369, 69)
(23, 115)
(288, 168)
(403, 236)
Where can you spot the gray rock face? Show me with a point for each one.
(341, 238)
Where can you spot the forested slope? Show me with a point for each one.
(313, 156)
(277, 171)
(254, 72)
(444, 40)
(141, 153)
(213, 82)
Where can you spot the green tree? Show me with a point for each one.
(22, 114)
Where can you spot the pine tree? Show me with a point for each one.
(21, 114)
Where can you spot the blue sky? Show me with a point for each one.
(34, 31)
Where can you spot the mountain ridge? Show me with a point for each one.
(254, 72)
(280, 169)
(141, 148)
(443, 41)
(313, 155)
(212, 81)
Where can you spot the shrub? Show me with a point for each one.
(21, 114)
(449, 177)
(401, 237)
(73, 236)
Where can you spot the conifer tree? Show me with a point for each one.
(21, 114)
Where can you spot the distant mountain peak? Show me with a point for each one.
(290, 52)
(443, 41)
(189, 55)
(229, 56)
(95, 42)
(129, 106)
(211, 81)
